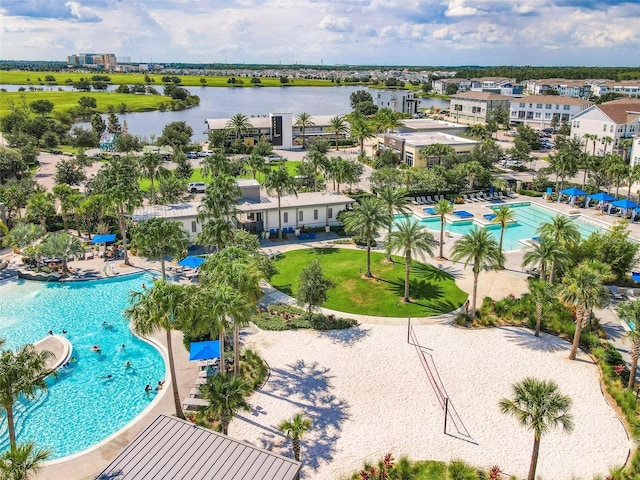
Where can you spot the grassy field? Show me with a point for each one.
(64, 100)
(433, 291)
(13, 77)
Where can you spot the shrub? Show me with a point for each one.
(286, 317)
(530, 193)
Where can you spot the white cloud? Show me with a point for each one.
(336, 24)
(459, 8)
(84, 14)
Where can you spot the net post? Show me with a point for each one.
(446, 413)
(408, 329)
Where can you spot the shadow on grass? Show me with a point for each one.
(312, 384)
(348, 336)
(426, 294)
(286, 289)
(429, 272)
(323, 251)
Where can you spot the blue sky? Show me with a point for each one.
(378, 32)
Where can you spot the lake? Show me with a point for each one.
(226, 102)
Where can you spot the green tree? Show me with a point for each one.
(544, 254)
(541, 294)
(183, 170)
(98, 125)
(282, 183)
(411, 240)
(226, 395)
(22, 234)
(540, 407)
(562, 230)
(394, 201)
(303, 121)
(159, 237)
(583, 288)
(152, 166)
(41, 107)
(437, 152)
(359, 96)
(504, 216)
(318, 161)
(22, 373)
(477, 247)
(215, 165)
(295, 428)
(40, 207)
(617, 169)
(220, 199)
(20, 462)
(165, 306)
(313, 287)
(87, 103)
(113, 124)
(442, 209)
(337, 126)
(360, 129)
(216, 232)
(12, 164)
(629, 311)
(176, 134)
(255, 163)
(63, 246)
(365, 220)
(238, 126)
(62, 192)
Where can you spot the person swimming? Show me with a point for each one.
(50, 332)
(147, 389)
(96, 348)
(144, 286)
(107, 377)
(160, 385)
(127, 364)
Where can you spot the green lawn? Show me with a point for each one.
(433, 291)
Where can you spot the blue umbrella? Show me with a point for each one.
(625, 203)
(573, 192)
(602, 197)
(108, 238)
(191, 261)
(204, 350)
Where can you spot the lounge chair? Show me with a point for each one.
(501, 196)
(475, 197)
(423, 201)
(195, 392)
(414, 201)
(428, 200)
(193, 403)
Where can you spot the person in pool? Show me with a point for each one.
(96, 348)
(127, 364)
(147, 389)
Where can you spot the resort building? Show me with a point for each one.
(401, 101)
(610, 122)
(541, 111)
(408, 145)
(477, 107)
(106, 61)
(634, 157)
(563, 87)
(499, 85)
(627, 88)
(428, 125)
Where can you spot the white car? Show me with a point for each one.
(197, 187)
(205, 153)
(274, 158)
(511, 133)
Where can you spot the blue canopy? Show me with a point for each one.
(204, 350)
(191, 261)
(601, 197)
(625, 203)
(109, 237)
(572, 192)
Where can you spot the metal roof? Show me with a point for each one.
(171, 448)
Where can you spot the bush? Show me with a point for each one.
(286, 317)
(530, 193)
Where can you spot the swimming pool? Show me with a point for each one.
(81, 407)
(528, 218)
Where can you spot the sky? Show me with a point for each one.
(328, 32)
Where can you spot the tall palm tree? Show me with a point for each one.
(543, 254)
(159, 237)
(166, 306)
(634, 176)
(63, 246)
(366, 218)
(40, 207)
(360, 129)
(152, 166)
(630, 312)
(226, 395)
(594, 138)
(62, 192)
(317, 160)
(541, 293)
(442, 208)
(216, 232)
(238, 125)
(583, 288)
(295, 428)
(540, 407)
(215, 165)
(19, 462)
(282, 183)
(394, 201)
(337, 126)
(386, 120)
(606, 141)
(504, 216)
(411, 239)
(22, 373)
(255, 164)
(617, 169)
(562, 230)
(303, 121)
(479, 247)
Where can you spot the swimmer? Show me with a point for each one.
(50, 332)
(73, 360)
(144, 286)
(122, 346)
(96, 348)
(160, 385)
(64, 332)
(147, 389)
(107, 377)
(127, 364)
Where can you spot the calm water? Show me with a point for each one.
(81, 407)
(226, 102)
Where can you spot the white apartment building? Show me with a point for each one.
(401, 101)
(564, 87)
(634, 158)
(627, 88)
(540, 111)
(611, 120)
(476, 107)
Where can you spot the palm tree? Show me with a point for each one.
(594, 138)
(630, 312)
(634, 176)
(538, 406)
(152, 166)
(394, 201)
(616, 169)
(606, 141)
(504, 216)
(541, 293)
(40, 207)
(282, 183)
(360, 129)
(24, 459)
(22, 373)
(366, 218)
(303, 121)
(215, 165)
(63, 246)
(442, 208)
(438, 151)
(337, 126)
(255, 163)
(166, 306)
(479, 247)
(220, 199)
(62, 192)
(294, 429)
(22, 234)
(317, 160)
(564, 231)
(159, 237)
(582, 287)
(217, 232)
(544, 253)
(386, 120)
(238, 125)
(226, 395)
(411, 239)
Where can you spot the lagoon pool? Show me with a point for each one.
(80, 407)
(528, 218)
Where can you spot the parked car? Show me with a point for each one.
(511, 133)
(197, 187)
(274, 158)
(205, 153)
(192, 155)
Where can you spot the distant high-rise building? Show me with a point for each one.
(106, 61)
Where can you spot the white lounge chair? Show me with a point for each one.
(414, 201)
(193, 403)
(430, 201)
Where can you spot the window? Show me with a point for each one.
(193, 227)
(547, 106)
(604, 127)
(566, 107)
(285, 217)
(522, 105)
(547, 116)
(557, 107)
(531, 105)
(330, 212)
(611, 129)
(538, 105)
(538, 114)
(315, 214)
(300, 216)
(408, 158)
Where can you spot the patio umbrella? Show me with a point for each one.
(625, 204)
(571, 192)
(191, 261)
(108, 238)
(204, 350)
(600, 197)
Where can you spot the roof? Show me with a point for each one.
(480, 96)
(430, 124)
(623, 110)
(307, 199)
(180, 210)
(555, 99)
(422, 139)
(174, 448)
